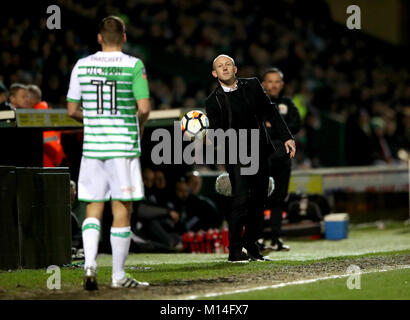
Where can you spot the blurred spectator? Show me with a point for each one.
(382, 153)
(359, 142)
(3, 93)
(195, 213)
(327, 66)
(194, 182)
(18, 96)
(53, 153)
(153, 221)
(160, 188)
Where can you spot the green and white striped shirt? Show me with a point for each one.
(108, 84)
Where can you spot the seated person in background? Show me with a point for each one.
(194, 182)
(18, 96)
(195, 212)
(153, 221)
(160, 188)
(53, 155)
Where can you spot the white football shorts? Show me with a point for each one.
(110, 179)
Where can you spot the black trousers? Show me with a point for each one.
(279, 170)
(249, 194)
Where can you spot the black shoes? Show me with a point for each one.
(278, 245)
(255, 255)
(238, 257)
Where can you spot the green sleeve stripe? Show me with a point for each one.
(72, 100)
(121, 234)
(139, 81)
(91, 226)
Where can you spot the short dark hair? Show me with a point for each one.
(15, 87)
(272, 70)
(112, 30)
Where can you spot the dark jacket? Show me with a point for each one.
(219, 110)
(292, 119)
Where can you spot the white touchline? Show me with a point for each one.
(285, 284)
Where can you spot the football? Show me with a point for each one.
(194, 124)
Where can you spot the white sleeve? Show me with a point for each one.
(74, 90)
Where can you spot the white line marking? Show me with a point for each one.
(285, 284)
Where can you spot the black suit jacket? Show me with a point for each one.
(219, 110)
(292, 120)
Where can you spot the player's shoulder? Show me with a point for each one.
(131, 59)
(85, 60)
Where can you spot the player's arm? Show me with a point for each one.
(140, 90)
(74, 111)
(144, 108)
(74, 96)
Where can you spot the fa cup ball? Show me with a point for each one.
(194, 124)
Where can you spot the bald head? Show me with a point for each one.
(220, 56)
(224, 70)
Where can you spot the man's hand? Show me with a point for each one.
(174, 216)
(290, 147)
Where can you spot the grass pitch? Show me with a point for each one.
(193, 276)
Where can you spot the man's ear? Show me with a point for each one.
(214, 74)
(125, 38)
(99, 38)
(236, 69)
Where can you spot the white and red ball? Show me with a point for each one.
(194, 124)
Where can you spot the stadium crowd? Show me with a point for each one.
(329, 70)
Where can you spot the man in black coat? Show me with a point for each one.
(236, 104)
(279, 162)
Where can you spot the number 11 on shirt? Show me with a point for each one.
(113, 95)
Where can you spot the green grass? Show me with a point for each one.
(162, 268)
(389, 285)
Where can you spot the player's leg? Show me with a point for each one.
(92, 188)
(120, 237)
(126, 186)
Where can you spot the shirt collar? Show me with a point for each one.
(227, 89)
